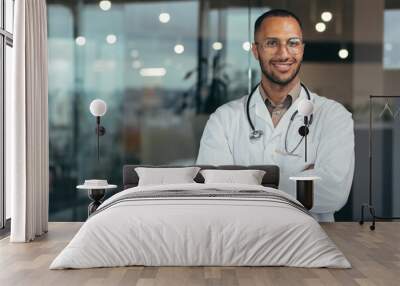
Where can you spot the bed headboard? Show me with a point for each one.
(271, 177)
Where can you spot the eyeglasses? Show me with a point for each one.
(272, 45)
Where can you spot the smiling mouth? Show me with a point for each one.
(282, 67)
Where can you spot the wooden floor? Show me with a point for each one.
(375, 257)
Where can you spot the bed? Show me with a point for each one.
(201, 224)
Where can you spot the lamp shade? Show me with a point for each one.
(98, 107)
(305, 107)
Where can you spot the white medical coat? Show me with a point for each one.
(330, 146)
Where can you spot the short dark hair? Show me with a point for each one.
(275, 13)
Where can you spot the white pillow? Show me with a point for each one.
(163, 176)
(248, 177)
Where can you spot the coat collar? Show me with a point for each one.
(257, 102)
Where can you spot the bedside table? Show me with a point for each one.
(305, 190)
(96, 194)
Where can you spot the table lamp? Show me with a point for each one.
(98, 108)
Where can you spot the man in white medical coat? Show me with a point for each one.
(279, 48)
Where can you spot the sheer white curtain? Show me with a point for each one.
(27, 124)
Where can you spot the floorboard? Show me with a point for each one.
(374, 255)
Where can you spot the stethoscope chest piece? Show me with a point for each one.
(256, 134)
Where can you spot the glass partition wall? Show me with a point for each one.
(164, 66)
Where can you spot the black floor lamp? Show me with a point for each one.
(98, 108)
(97, 188)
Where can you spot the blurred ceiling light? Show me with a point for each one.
(179, 49)
(105, 5)
(320, 27)
(134, 54)
(217, 46)
(136, 64)
(153, 72)
(246, 46)
(343, 53)
(111, 39)
(326, 16)
(164, 17)
(80, 41)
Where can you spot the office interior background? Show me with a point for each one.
(164, 66)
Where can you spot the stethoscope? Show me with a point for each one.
(303, 130)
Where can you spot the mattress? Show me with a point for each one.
(201, 225)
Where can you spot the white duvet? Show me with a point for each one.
(200, 231)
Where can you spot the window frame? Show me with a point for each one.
(6, 39)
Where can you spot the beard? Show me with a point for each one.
(275, 79)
